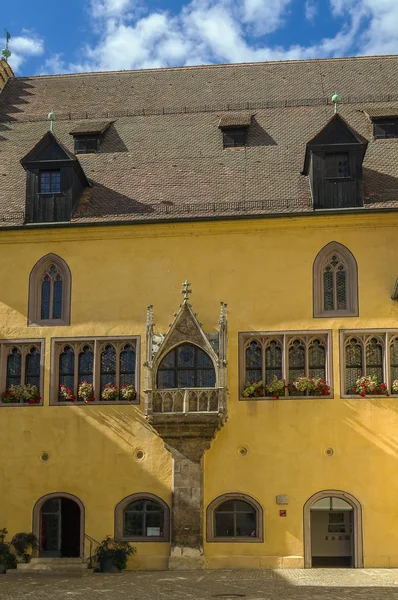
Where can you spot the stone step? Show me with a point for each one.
(53, 566)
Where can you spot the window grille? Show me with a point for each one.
(143, 518)
(337, 165)
(86, 144)
(49, 292)
(96, 361)
(286, 356)
(369, 353)
(234, 137)
(186, 366)
(21, 364)
(50, 182)
(385, 128)
(335, 282)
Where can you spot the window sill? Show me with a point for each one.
(333, 314)
(144, 539)
(19, 404)
(367, 397)
(284, 398)
(98, 403)
(55, 323)
(235, 540)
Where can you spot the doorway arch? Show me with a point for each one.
(63, 513)
(357, 537)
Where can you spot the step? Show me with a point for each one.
(53, 566)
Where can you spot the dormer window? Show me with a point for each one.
(333, 163)
(385, 128)
(87, 136)
(234, 129)
(86, 144)
(337, 165)
(50, 182)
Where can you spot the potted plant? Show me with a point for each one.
(8, 560)
(86, 392)
(315, 386)
(112, 555)
(128, 392)
(394, 386)
(255, 389)
(26, 394)
(65, 393)
(110, 393)
(22, 542)
(276, 387)
(369, 386)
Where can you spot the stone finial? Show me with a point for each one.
(336, 98)
(51, 118)
(186, 290)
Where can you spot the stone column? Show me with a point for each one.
(187, 505)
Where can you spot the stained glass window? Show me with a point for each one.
(32, 370)
(235, 518)
(186, 366)
(51, 294)
(67, 368)
(374, 359)
(317, 360)
(14, 368)
(143, 518)
(127, 365)
(108, 366)
(297, 365)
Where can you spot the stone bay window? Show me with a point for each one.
(186, 378)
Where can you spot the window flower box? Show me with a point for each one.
(369, 386)
(21, 394)
(86, 392)
(314, 386)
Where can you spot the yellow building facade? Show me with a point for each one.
(313, 475)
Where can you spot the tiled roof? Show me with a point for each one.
(91, 127)
(384, 111)
(162, 157)
(235, 120)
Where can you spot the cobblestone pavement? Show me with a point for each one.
(324, 584)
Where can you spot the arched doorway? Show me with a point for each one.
(58, 522)
(333, 530)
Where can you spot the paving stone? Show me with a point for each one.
(288, 584)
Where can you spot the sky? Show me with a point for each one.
(68, 36)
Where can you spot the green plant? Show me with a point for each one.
(254, 389)
(7, 558)
(28, 394)
(118, 552)
(22, 542)
(369, 385)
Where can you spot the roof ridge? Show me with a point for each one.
(210, 66)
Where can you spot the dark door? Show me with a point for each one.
(60, 528)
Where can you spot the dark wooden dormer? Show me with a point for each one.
(54, 181)
(333, 162)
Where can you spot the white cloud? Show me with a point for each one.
(24, 46)
(310, 10)
(214, 31)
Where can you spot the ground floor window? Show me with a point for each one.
(234, 517)
(142, 517)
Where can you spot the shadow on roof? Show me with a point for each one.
(100, 201)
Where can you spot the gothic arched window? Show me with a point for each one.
(186, 366)
(49, 292)
(335, 282)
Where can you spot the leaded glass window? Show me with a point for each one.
(127, 365)
(286, 357)
(186, 366)
(335, 285)
(143, 518)
(86, 365)
(254, 362)
(235, 519)
(32, 370)
(365, 355)
(67, 368)
(108, 366)
(14, 368)
(335, 282)
(51, 295)
(393, 360)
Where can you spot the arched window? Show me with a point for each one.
(335, 282)
(142, 517)
(49, 292)
(186, 366)
(22, 366)
(234, 518)
(364, 355)
(108, 366)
